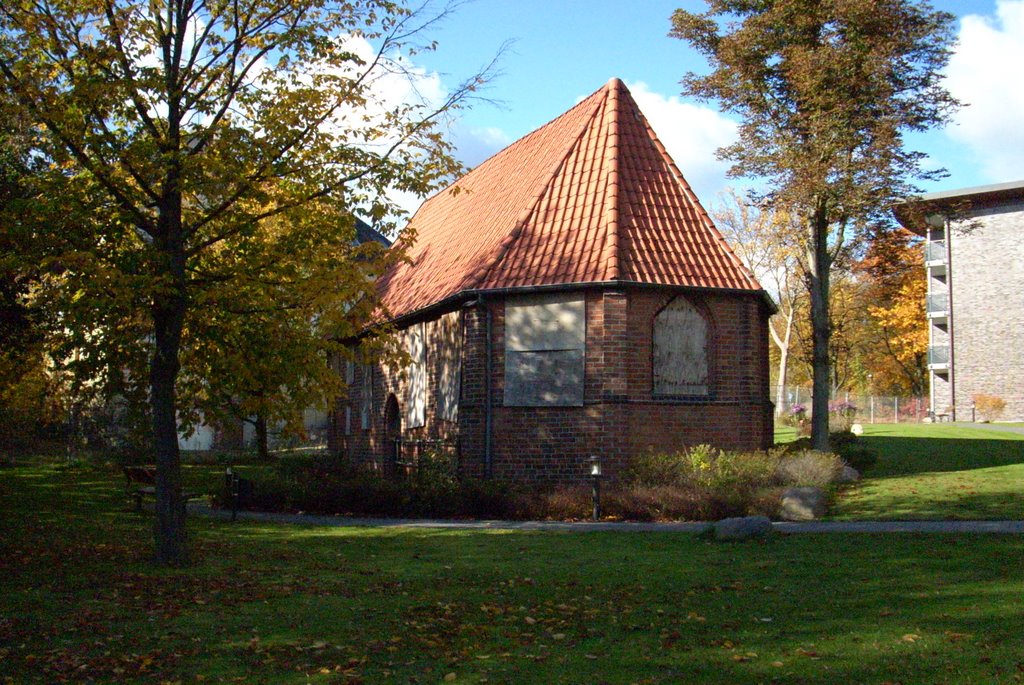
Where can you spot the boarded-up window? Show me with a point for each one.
(448, 349)
(350, 372)
(680, 350)
(544, 350)
(348, 420)
(416, 401)
(367, 397)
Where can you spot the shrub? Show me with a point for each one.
(841, 415)
(657, 468)
(860, 458)
(809, 468)
(699, 483)
(990, 407)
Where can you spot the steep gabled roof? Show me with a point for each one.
(590, 197)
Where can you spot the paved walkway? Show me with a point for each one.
(1002, 428)
(1005, 527)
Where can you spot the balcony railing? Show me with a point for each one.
(938, 354)
(938, 302)
(935, 251)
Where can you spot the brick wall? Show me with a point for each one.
(987, 271)
(619, 417)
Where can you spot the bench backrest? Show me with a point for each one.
(140, 474)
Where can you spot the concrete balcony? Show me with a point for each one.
(938, 357)
(937, 307)
(935, 257)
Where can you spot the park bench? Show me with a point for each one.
(140, 481)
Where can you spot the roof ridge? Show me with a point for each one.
(612, 258)
(498, 254)
(705, 217)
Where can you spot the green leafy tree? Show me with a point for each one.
(191, 124)
(825, 91)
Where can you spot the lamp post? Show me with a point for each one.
(595, 479)
(871, 394)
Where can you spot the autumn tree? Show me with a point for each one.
(190, 124)
(825, 91)
(896, 289)
(259, 347)
(763, 241)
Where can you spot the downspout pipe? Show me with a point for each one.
(488, 402)
(488, 366)
(948, 236)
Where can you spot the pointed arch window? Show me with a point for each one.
(680, 350)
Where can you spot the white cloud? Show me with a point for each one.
(475, 145)
(984, 73)
(691, 134)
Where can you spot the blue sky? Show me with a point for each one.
(563, 50)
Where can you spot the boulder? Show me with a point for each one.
(742, 528)
(802, 504)
(857, 429)
(848, 474)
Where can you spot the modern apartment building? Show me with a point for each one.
(974, 256)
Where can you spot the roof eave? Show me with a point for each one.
(913, 212)
(452, 301)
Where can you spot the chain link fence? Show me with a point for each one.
(865, 408)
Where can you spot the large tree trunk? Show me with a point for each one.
(818, 271)
(171, 541)
(262, 444)
(169, 305)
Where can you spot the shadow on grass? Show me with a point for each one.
(946, 504)
(286, 604)
(920, 454)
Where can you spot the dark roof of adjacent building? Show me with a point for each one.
(913, 213)
(590, 197)
(366, 234)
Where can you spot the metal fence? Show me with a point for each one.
(411, 456)
(866, 408)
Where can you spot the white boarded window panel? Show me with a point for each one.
(416, 402)
(348, 420)
(545, 342)
(367, 397)
(449, 351)
(680, 350)
(350, 372)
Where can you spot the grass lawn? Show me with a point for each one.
(935, 471)
(281, 604)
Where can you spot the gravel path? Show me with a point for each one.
(1004, 527)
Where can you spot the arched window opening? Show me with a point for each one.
(680, 350)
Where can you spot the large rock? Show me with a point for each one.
(743, 528)
(848, 474)
(802, 504)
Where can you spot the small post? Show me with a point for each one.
(231, 481)
(896, 410)
(595, 478)
(973, 408)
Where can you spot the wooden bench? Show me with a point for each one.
(140, 481)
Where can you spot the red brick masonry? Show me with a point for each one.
(620, 416)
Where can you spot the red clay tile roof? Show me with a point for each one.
(591, 197)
